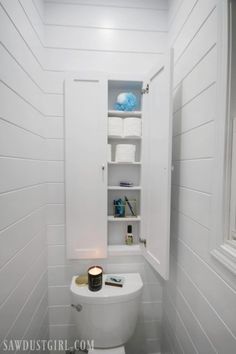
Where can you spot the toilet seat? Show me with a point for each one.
(119, 350)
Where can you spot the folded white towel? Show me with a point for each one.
(125, 153)
(115, 126)
(109, 152)
(132, 127)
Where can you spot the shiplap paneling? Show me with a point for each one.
(196, 112)
(114, 36)
(74, 60)
(194, 266)
(191, 86)
(11, 243)
(32, 14)
(25, 315)
(153, 4)
(194, 144)
(198, 303)
(194, 174)
(122, 18)
(55, 149)
(105, 39)
(17, 15)
(29, 173)
(12, 103)
(14, 42)
(194, 24)
(54, 127)
(199, 338)
(56, 193)
(17, 204)
(193, 204)
(82, 36)
(203, 42)
(23, 270)
(15, 77)
(32, 148)
(180, 14)
(19, 296)
(204, 311)
(191, 232)
(173, 7)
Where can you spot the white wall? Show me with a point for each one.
(23, 248)
(199, 305)
(233, 67)
(199, 298)
(115, 36)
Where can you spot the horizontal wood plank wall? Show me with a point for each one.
(199, 299)
(107, 35)
(23, 255)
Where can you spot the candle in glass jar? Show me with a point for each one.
(95, 278)
(95, 270)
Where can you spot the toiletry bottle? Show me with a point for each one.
(129, 238)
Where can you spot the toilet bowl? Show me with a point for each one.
(107, 317)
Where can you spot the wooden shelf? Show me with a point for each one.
(123, 250)
(124, 163)
(124, 114)
(119, 188)
(111, 218)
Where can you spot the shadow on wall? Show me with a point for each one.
(170, 286)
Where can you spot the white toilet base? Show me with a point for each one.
(119, 350)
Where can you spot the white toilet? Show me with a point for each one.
(107, 316)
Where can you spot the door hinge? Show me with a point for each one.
(143, 241)
(145, 90)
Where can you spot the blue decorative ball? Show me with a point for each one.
(126, 101)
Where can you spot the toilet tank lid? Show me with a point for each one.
(109, 294)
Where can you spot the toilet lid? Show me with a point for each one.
(109, 294)
(119, 350)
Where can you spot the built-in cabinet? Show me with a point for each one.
(92, 182)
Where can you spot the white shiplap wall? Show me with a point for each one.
(114, 36)
(199, 299)
(23, 248)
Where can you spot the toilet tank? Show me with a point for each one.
(108, 316)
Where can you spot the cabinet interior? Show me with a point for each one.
(117, 172)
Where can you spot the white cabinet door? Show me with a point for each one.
(156, 168)
(86, 166)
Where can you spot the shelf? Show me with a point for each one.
(111, 218)
(124, 163)
(123, 250)
(124, 137)
(118, 188)
(124, 114)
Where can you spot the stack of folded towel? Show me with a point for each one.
(132, 127)
(109, 152)
(129, 127)
(115, 127)
(125, 153)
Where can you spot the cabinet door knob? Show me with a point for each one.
(103, 167)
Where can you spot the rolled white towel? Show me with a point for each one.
(115, 126)
(132, 127)
(109, 152)
(125, 153)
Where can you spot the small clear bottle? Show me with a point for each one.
(129, 237)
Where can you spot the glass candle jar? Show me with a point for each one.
(95, 278)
